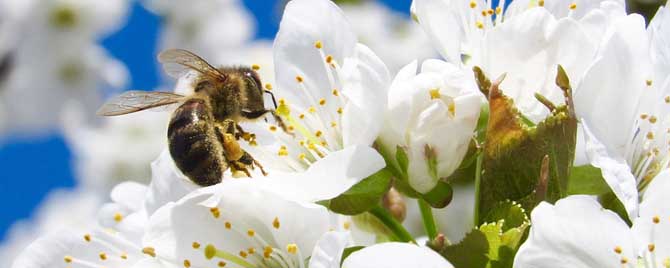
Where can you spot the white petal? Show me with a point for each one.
(365, 83)
(437, 17)
(167, 183)
(175, 227)
(576, 232)
(129, 194)
(398, 111)
(47, 251)
(615, 171)
(654, 204)
(329, 249)
(392, 255)
(328, 177)
(304, 23)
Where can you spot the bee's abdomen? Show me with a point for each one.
(193, 146)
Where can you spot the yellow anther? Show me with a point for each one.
(335, 92)
(322, 102)
(222, 264)
(644, 116)
(324, 143)
(87, 237)
(301, 116)
(275, 222)
(490, 11)
(251, 232)
(302, 156)
(573, 6)
(267, 252)
(339, 110)
(484, 13)
(434, 93)
(215, 212)
(251, 250)
(333, 124)
(667, 99)
(124, 256)
(67, 259)
(624, 260)
(473, 4)
(290, 128)
(228, 225)
(118, 217)
(329, 59)
(149, 251)
(498, 10)
(273, 128)
(187, 263)
(652, 119)
(452, 108)
(318, 44)
(299, 79)
(479, 24)
(649, 82)
(282, 151)
(666, 262)
(318, 133)
(292, 248)
(255, 67)
(651, 247)
(210, 251)
(650, 135)
(656, 219)
(540, 3)
(618, 250)
(268, 86)
(346, 225)
(102, 256)
(311, 109)
(302, 143)
(243, 254)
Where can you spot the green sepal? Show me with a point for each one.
(440, 196)
(471, 252)
(589, 180)
(363, 196)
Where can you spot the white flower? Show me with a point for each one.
(578, 232)
(213, 29)
(119, 149)
(331, 90)
(630, 80)
(61, 209)
(67, 71)
(328, 253)
(386, 32)
(526, 43)
(432, 115)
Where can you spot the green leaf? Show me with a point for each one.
(514, 151)
(587, 179)
(510, 212)
(502, 245)
(348, 251)
(363, 196)
(440, 196)
(611, 202)
(471, 252)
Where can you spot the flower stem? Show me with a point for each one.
(398, 230)
(428, 219)
(478, 178)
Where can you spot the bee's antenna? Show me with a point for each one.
(273, 98)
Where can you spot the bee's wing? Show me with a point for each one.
(134, 101)
(178, 62)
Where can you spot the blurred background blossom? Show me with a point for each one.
(59, 59)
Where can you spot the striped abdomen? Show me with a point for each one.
(194, 146)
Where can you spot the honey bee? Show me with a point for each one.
(203, 132)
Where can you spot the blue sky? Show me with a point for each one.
(33, 167)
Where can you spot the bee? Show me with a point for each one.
(203, 132)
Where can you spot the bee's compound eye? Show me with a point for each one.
(254, 75)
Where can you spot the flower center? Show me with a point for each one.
(64, 17)
(257, 252)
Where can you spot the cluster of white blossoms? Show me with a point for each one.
(353, 129)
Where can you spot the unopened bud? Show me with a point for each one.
(395, 204)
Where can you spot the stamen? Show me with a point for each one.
(211, 251)
(479, 24)
(273, 128)
(434, 93)
(656, 219)
(118, 217)
(149, 251)
(228, 225)
(299, 79)
(618, 250)
(275, 223)
(215, 212)
(498, 10)
(624, 260)
(222, 264)
(282, 151)
(87, 237)
(339, 110)
(268, 86)
(652, 119)
(540, 3)
(346, 225)
(102, 256)
(336, 93)
(667, 99)
(187, 263)
(643, 116)
(573, 6)
(196, 245)
(329, 59)
(255, 67)
(251, 251)
(251, 232)
(649, 82)
(318, 44)
(68, 259)
(650, 135)
(292, 248)
(651, 247)
(473, 4)
(322, 102)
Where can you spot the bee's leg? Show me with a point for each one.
(248, 160)
(280, 121)
(258, 164)
(231, 149)
(247, 136)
